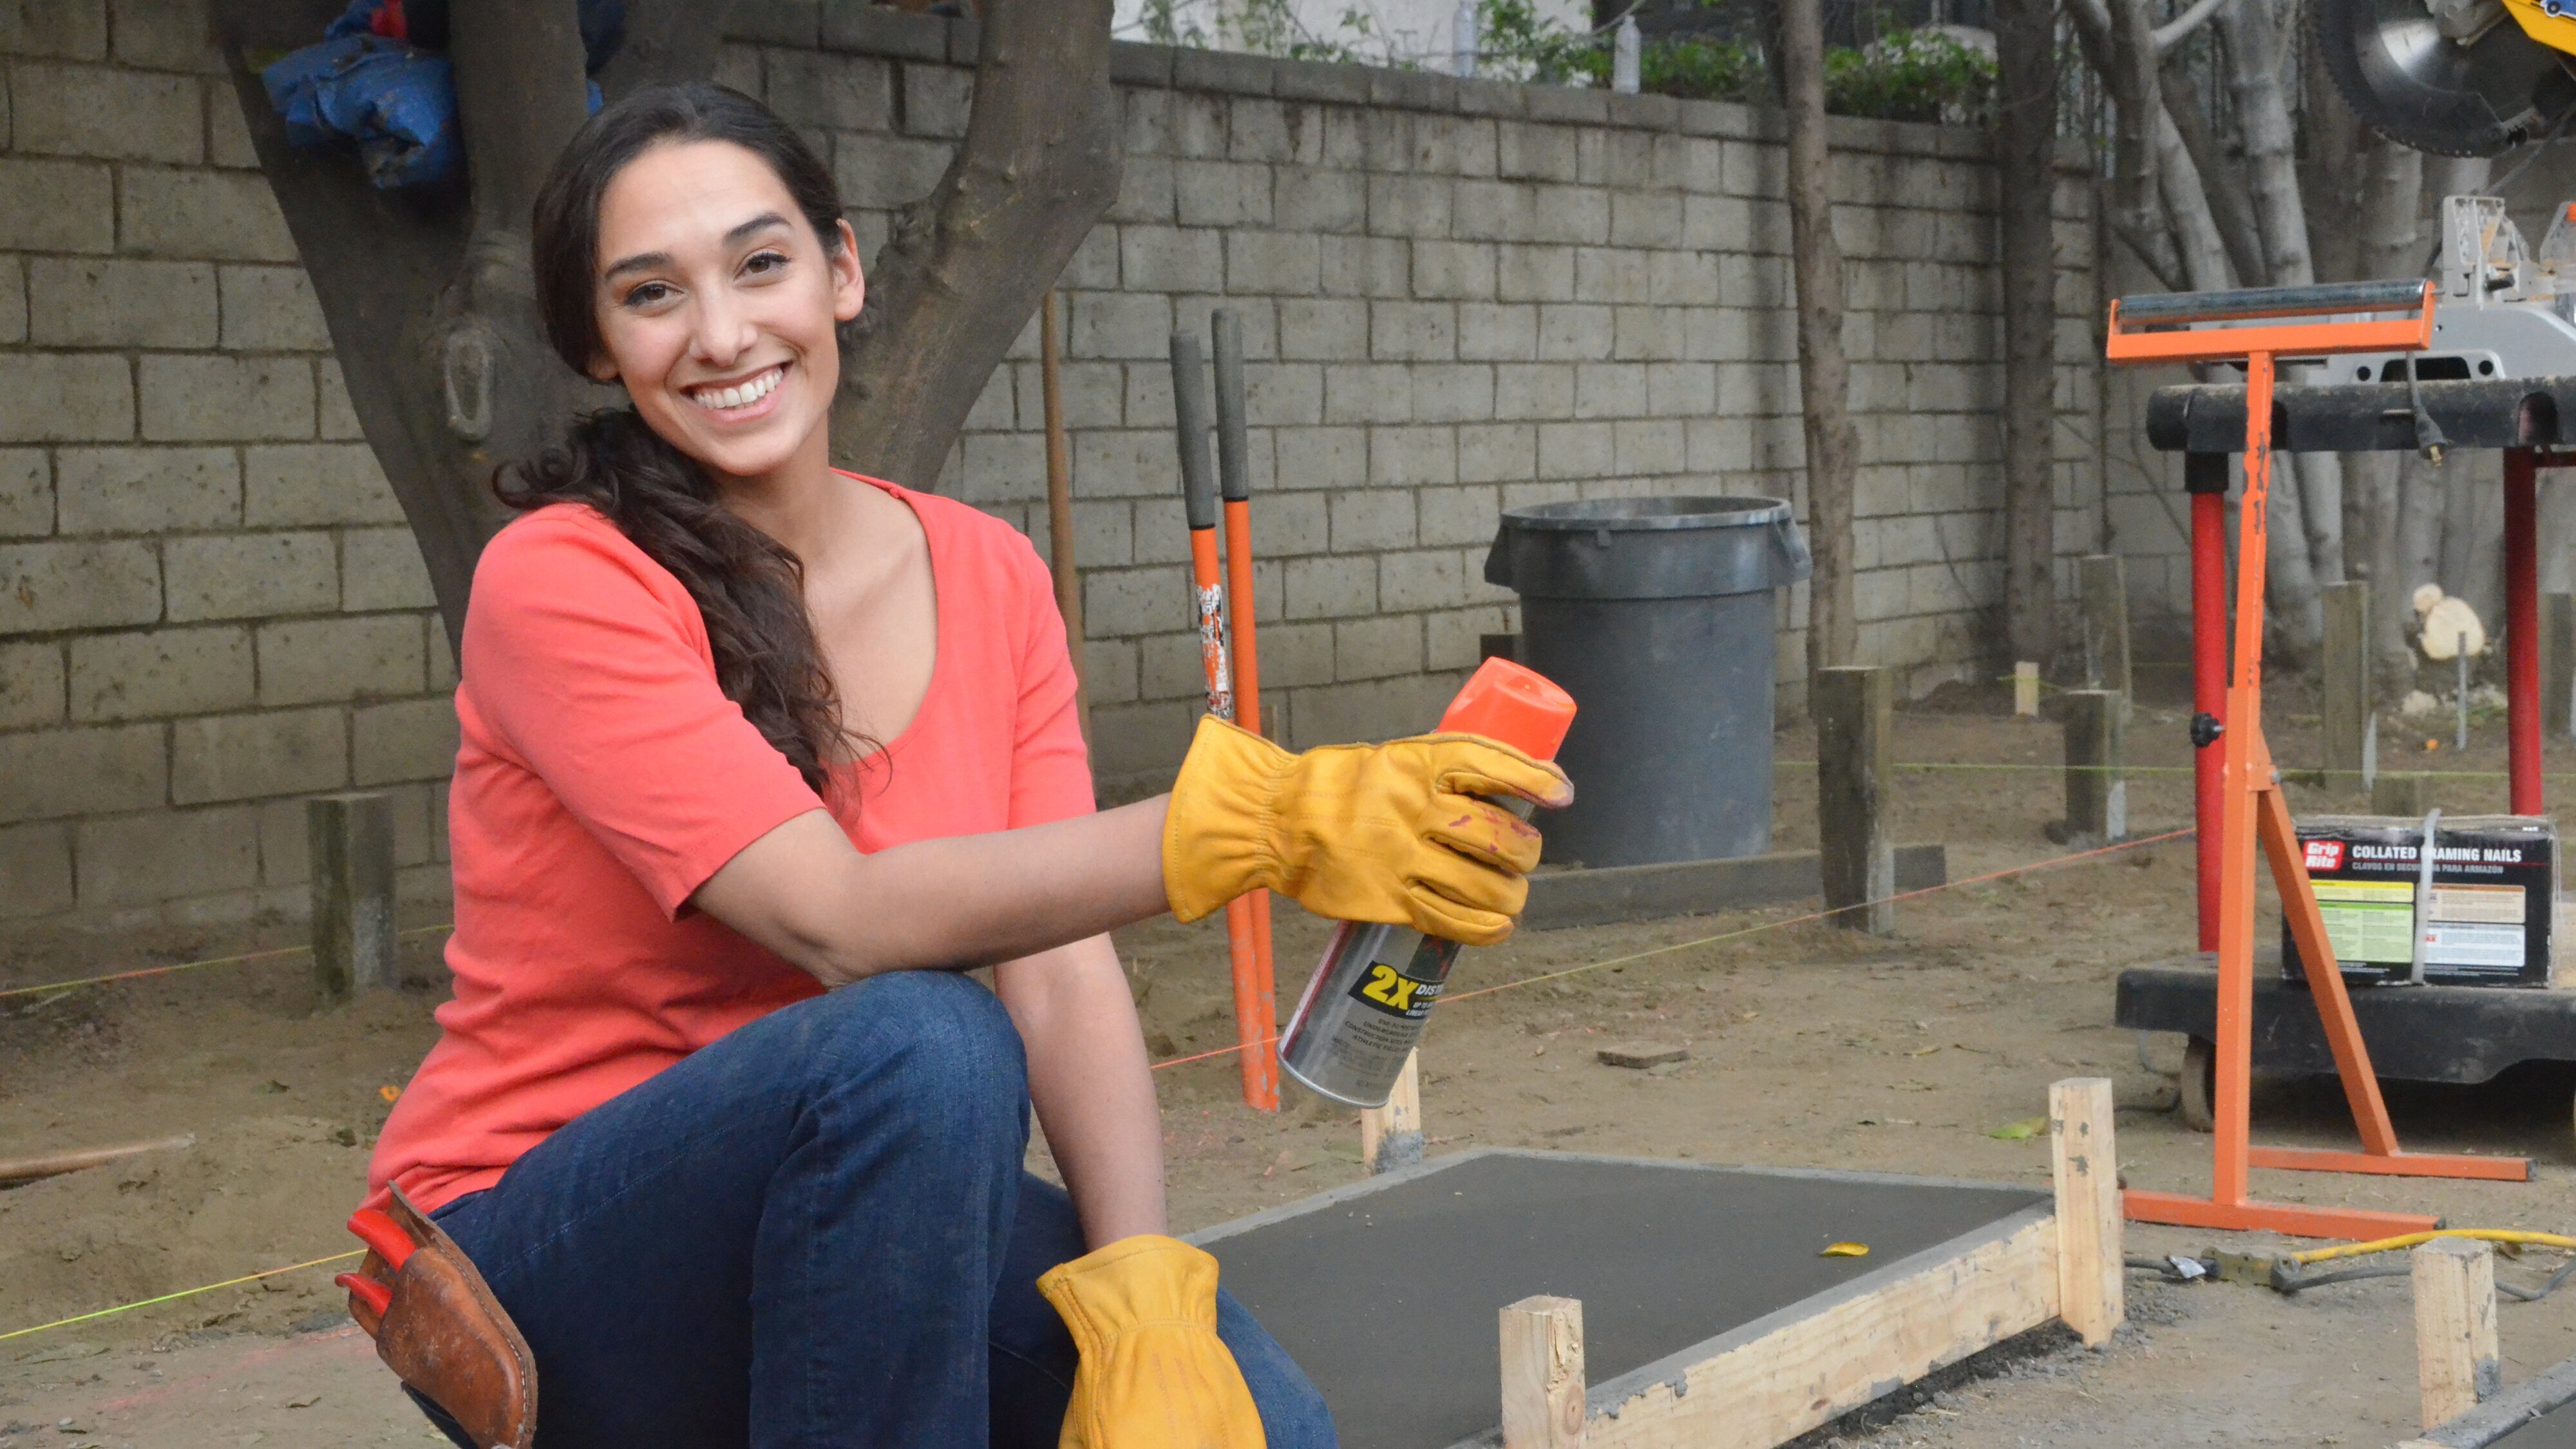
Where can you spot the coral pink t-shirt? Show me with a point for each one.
(602, 777)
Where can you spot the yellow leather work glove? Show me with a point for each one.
(1387, 833)
(1154, 1375)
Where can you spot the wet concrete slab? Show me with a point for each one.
(1386, 1291)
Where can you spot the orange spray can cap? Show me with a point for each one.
(1518, 706)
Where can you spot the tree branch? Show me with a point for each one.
(966, 266)
(2179, 29)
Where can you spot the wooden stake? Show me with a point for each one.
(2106, 624)
(2343, 676)
(55, 1164)
(2084, 1158)
(2097, 795)
(1543, 1374)
(1854, 709)
(2404, 796)
(2026, 690)
(1059, 465)
(351, 841)
(1391, 1136)
(2455, 1327)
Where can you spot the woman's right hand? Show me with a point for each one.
(1390, 833)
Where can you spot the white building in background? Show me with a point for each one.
(1420, 31)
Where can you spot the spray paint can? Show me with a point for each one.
(1365, 1006)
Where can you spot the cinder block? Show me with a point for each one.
(1411, 457)
(936, 100)
(1366, 520)
(1323, 329)
(97, 302)
(248, 756)
(380, 569)
(1165, 259)
(1461, 393)
(1422, 579)
(1318, 458)
(1261, 129)
(147, 490)
(313, 661)
(13, 295)
(45, 587)
(1362, 392)
(1120, 603)
(1413, 331)
(26, 493)
(164, 36)
(106, 112)
(48, 774)
(1169, 666)
(1460, 516)
(1610, 274)
(1494, 453)
(1114, 325)
(1528, 151)
(1003, 468)
(1274, 263)
(1534, 390)
(1645, 219)
(133, 860)
(35, 871)
(1463, 270)
(1609, 390)
(160, 673)
(1128, 464)
(1317, 200)
(1412, 205)
(1295, 523)
(832, 92)
(228, 142)
(1717, 223)
(1643, 447)
(1575, 450)
(1365, 266)
(1222, 193)
(250, 575)
(231, 399)
(1534, 273)
(1282, 394)
(1497, 332)
(1377, 648)
(1681, 389)
(314, 485)
(1374, 709)
(56, 206)
(216, 215)
(65, 397)
(72, 29)
(1689, 163)
(31, 685)
(1454, 638)
(1331, 587)
(1649, 334)
(880, 173)
(409, 740)
(1142, 740)
(271, 309)
(1574, 332)
(1144, 191)
(338, 418)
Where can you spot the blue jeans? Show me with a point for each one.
(814, 1232)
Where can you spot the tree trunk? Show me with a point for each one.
(2221, 187)
(2307, 520)
(967, 265)
(1833, 443)
(2025, 158)
(2425, 491)
(2392, 201)
(2119, 42)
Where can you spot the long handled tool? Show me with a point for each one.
(1252, 1007)
(2261, 326)
(1059, 465)
(1234, 482)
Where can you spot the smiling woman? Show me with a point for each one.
(754, 755)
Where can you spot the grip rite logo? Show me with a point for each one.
(2324, 854)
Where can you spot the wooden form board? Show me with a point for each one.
(2537, 1413)
(1753, 1386)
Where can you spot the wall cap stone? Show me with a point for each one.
(860, 28)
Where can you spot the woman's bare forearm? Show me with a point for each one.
(1090, 1083)
(806, 893)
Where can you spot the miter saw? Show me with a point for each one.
(2453, 77)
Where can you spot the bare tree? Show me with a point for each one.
(2392, 245)
(432, 310)
(1824, 375)
(2025, 157)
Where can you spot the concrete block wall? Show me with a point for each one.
(1458, 298)
(209, 605)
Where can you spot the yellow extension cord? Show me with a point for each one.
(2409, 1240)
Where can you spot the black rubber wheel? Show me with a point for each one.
(2197, 1099)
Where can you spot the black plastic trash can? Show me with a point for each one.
(1656, 614)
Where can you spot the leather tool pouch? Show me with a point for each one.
(438, 1327)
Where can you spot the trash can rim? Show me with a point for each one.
(1678, 511)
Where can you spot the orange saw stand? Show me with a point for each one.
(2260, 326)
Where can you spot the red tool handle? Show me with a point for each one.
(384, 1235)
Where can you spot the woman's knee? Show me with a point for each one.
(935, 1042)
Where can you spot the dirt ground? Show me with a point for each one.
(1810, 1047)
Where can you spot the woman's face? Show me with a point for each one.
(716, 305)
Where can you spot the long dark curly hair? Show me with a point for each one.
(749, 588)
